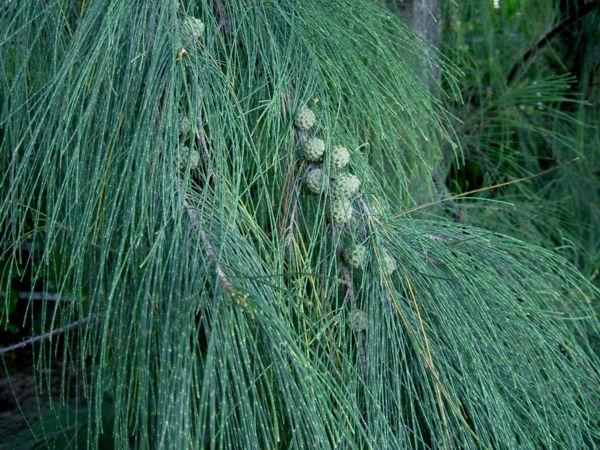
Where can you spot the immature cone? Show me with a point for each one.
(305, 119)
(193, 159)
(358, 320)
(340, 210)
(191, 29)
(313, 149)
(185, 125)
(388, 263)
(340, 156)
(355, 256)
(314, 181)
(187, 158)
(345, 185)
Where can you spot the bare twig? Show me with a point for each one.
(50, 334)
(488, 188)
(582, 11)
(45, 296)
(290, 228)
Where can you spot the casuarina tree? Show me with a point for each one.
(218, 191)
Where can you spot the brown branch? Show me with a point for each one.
(582, 11)
(210, 250)
(350, 293)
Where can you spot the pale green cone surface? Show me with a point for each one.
(340, 210)
(313, 149)
(340, 156)
(355, 256)
(305, 119)
(314, 181)
(345, 185)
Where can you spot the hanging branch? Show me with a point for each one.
(361, 336)
(210, 250)
(582, 11)
(349, 288)
(290, 228)
(221, 277)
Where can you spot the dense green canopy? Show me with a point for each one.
(154, 172)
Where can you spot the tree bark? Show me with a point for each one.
(427, 23)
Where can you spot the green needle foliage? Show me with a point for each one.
(520, 126)
(218, 313)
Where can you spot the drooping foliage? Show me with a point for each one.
(153, 175)
(529, 106)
